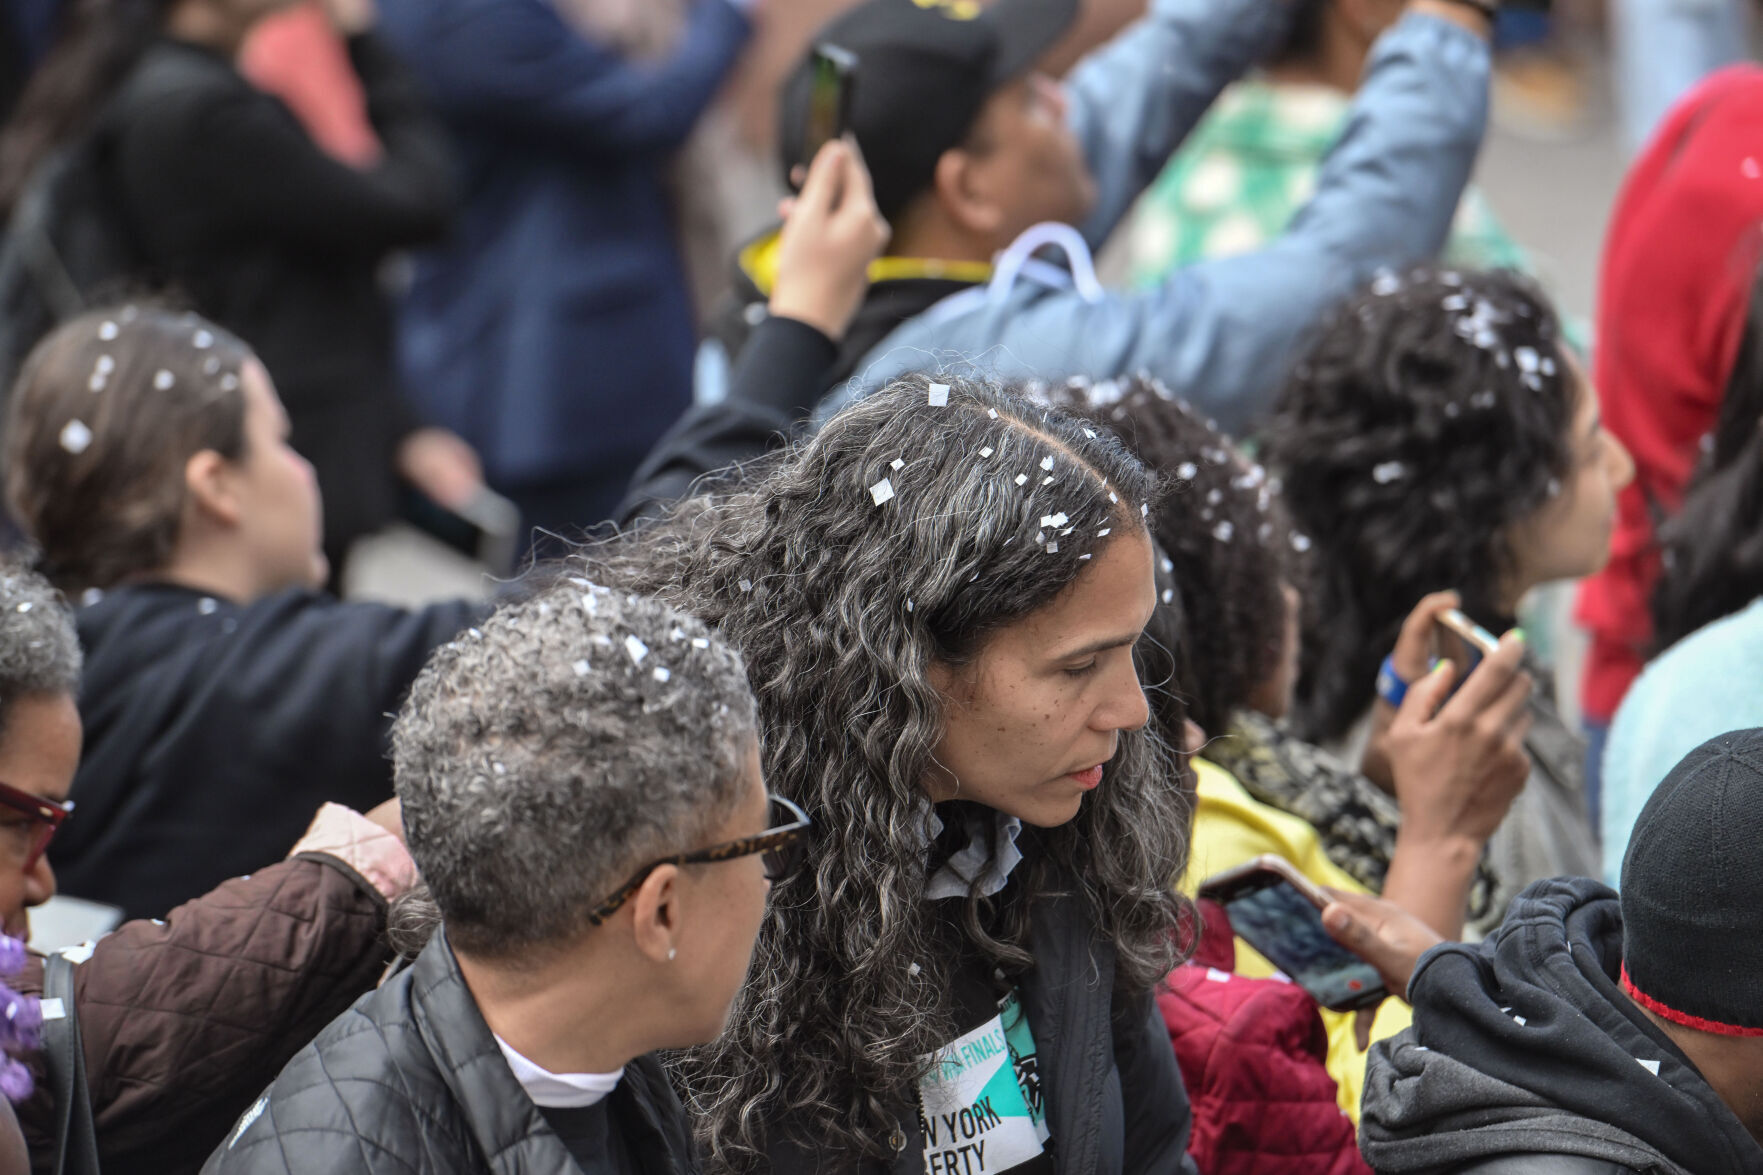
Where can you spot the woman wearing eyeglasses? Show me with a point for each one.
(181, 1019)
(581, 788)
(938, 597)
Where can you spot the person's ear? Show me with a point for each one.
(211, 489)
(656, 913)
(963, 194)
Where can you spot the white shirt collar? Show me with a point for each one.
(558, 1091)
(974, 867)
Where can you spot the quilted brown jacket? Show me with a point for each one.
(186, 1020)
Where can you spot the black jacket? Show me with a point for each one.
(234, 205)
(1525, 1058)
(410, 1079)
(215, 730)
(1114, 1097)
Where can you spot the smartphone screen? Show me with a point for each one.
(1274, 918)
(833, 72)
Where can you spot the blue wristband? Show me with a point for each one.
(1390, 686)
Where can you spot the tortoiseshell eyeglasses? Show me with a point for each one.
(781, 845)
(30, 837)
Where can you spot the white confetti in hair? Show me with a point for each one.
(1383, 474)
(699, 642)
(582, 668)
(746, 585)
(202, 340)
(1083, 556)
(1224, 531)
(1047, 461)
(207, 605)
(107, 331)
(1104, 532)
(211, 365)
(938, 396)
(1300, 543)
(882, 491)
(897, 463)
(1169, 595)
(163, 380)
(661, 673)
(1090, 432)
(986, 452)
(908, 603)
(229, 382)
(1048, 480)
(1113, 497)
(1021, 478)
(635, 649)
(76, 438)
(1187, 471)
(1053, 547)
(992, 412)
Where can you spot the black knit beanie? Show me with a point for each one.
(1692, 891)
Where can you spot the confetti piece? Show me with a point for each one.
(1144, 510)
(1113, 497)
(1169, 595)
(635, 649)
(939, 396)
(76, 438)
(1187, 471)
(25, 607)
(499, 769)
(1090, 432)
(914, 969)
(1300, 543)
(896, 463)
(582, 668)
(1082, 557)
(1167, 565)
(678, 634)
(1047, 481)
(1021, 478)
(1104, 532)
(211, 365)
(163, 380)
(909, 604)
(699, 642)
(97, 382)
(105, 365)
(229, 382)
(107, 331)
(1047, 461)
(992, 412)
(986, 452)
(882, 491)
(746, 585)
(661, 673)
(1223, 531)
(1053, 548)
(203, 340)
(206, 605)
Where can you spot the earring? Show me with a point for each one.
(671, 952)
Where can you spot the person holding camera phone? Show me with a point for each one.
(1440, 436)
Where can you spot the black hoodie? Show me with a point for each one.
(1523, 1045)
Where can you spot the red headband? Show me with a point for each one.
(1684, 1018)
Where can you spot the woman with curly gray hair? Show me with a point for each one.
(938, 597)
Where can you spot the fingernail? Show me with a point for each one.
(1517, 634)
(1335, 918)
(1443, 666)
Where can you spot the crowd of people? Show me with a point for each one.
(910, 636)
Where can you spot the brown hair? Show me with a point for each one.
(107, 412)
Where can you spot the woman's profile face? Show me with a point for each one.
(1030, 724)
(1569, 535)
(39, 753)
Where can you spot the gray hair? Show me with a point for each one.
(545, 755)
(39, 650)
(915, 525)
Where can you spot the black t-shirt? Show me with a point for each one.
(989, 1115)
(593, 1137)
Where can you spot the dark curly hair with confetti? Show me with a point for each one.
(1224, 534)
(1431, 413)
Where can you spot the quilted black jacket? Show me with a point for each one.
(410, 1079)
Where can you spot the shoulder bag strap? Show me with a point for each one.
(76, 1142)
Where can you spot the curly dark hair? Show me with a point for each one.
(1224, 537)
(900, 536)
(1431, 414)
(1713, 548)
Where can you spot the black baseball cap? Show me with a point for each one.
(924, 70)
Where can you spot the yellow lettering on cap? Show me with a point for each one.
(953, 9)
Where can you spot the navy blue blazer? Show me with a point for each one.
(554, 330)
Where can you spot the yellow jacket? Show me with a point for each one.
(1231, 828)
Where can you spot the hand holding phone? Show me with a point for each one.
(1278, 911)
(831, 84)
(1380, 932)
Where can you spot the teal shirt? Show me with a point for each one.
(1707, 684)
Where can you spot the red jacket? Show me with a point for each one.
(1675, 282)
(1251, 1054)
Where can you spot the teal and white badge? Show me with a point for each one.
(980, 1106)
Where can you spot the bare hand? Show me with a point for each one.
(441, 465)
(1382, 933)
(832, 231)
(1457, 764)
(389, 816)
(351, 17)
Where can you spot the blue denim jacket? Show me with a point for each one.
(1220, 333)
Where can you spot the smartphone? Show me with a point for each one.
(1278, 911)
(1464, 641)
(832, 79)
(487, 528)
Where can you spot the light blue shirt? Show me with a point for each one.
(1220, 333)
(1707, 684)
